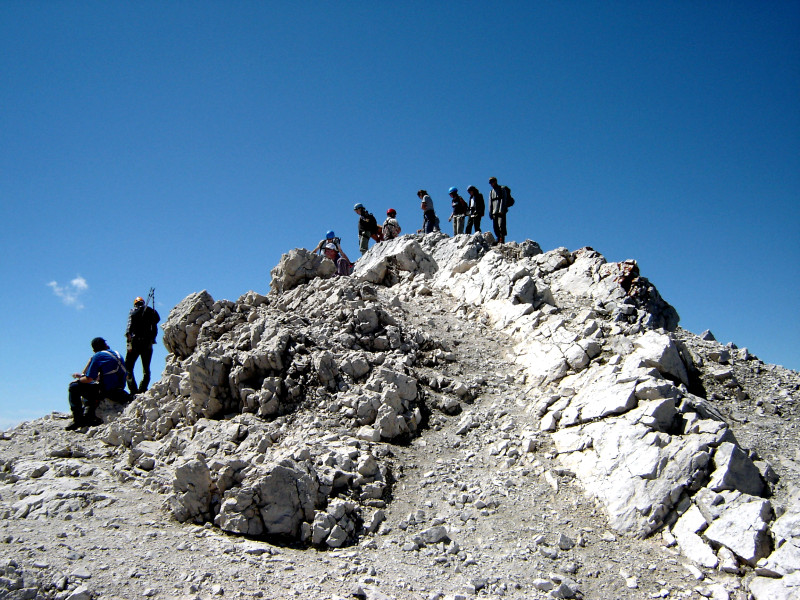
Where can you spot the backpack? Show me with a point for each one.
(480, 205)
(509, 197)
(371, 223)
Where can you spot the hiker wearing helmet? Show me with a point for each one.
(141, 335)
(103, 376)
(367, 228)
(459, 211)
(332, 249)
(498, 207)
(477, 207)
(430, 221)
(391, 228)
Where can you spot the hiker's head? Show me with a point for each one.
(472, 189)
(99, 344)
(452, 191)
(358, 207)
(330, 235)
(422, 193)
(493, 181)
(138, 301)
(391, 213)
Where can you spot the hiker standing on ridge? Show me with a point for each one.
(141, 335)
(105, 373)
(498, 207)
(331, 247)
(391, 228)
(430, 222)
(459, 211)
(367, 228)
(477, 208)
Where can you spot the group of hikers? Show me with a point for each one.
(106, 374)
(465, 216)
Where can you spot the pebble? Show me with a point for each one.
(694, 572)
(81, 573)
(80, 593)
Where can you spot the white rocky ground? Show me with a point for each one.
(456, 420)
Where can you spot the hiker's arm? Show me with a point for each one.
(318, 248)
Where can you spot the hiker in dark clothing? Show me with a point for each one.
(477, 208)
(459, 211)
(141, 334)
(430, 221)
(367, 228)
(103, 376)
(498, 207)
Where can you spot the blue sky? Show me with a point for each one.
(187, 145)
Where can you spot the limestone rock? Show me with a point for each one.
(299, 266)
(742, 527)
(191, 499)
(183, 324)
(735, 471)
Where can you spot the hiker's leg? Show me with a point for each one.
(130, 362)
(342, 267)
(75, 402)
(147, 354)
(92, 393)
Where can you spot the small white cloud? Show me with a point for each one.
(79, 283)
(70, 293)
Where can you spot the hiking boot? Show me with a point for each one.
(73, 426)
(92, 420)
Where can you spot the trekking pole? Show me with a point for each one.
(151, 298)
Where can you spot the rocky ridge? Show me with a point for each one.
(456, 419)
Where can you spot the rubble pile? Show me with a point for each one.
(286, 416)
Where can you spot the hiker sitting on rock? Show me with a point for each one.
(331, 247)
(103, 376)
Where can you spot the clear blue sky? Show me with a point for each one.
(187, 145)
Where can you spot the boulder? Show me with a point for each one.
(735, 471)
(183, 324)
(659, 351)
(192, 487)
(742, 527)
(384, 262)
(273, 499)
(297, 267)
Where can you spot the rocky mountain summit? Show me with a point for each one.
(458, 419)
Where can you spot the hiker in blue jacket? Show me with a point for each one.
(104, 375)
